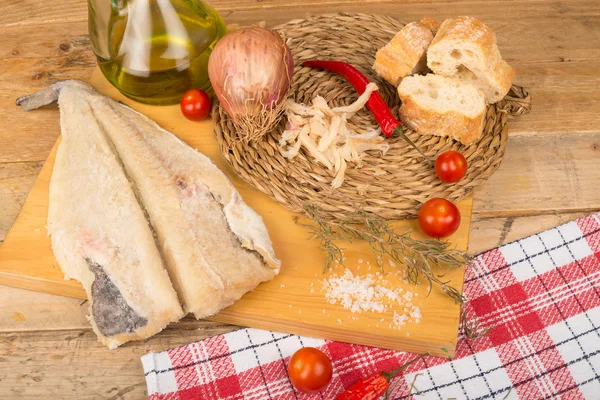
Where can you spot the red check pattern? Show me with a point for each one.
(541, 294)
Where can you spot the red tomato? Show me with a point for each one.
(310, 370)
(439, 218)
(195, 104)
(450, 166)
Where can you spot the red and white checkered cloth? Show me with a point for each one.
(541, 294)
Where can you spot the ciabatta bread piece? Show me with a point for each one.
(405, 54)
(432, 24)
(465, 48)
(436, 105)
(100, 234)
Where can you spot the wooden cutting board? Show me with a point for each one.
(293, 302)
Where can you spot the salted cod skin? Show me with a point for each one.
(215, 246)
(100, 235)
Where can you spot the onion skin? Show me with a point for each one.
(250, 70)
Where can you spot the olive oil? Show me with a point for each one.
(159, 49)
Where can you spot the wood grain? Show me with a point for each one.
(22, 310)
(285, 303)
(71, 364)
(16, 180)
(525, 183)
(558, 63)
(490, 232)
(544, 174)
(553, 44)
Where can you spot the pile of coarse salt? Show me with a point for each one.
(371, 293)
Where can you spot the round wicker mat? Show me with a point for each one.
(392, 186)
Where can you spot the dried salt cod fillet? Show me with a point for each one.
(216, 248)
(100, 235)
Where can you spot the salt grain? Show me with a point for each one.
(399, 320)
(370, 293)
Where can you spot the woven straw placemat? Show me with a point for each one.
(392, 186)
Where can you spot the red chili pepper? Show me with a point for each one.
(373, 386)
(389, 125)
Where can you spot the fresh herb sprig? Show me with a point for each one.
(419, 257)
(471, 327)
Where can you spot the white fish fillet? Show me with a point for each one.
(100, 235)
(215, 248)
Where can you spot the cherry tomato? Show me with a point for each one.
(439, 218)
(310, 370)
(195, 104)
(450, 166)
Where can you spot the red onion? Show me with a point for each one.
(250, 70)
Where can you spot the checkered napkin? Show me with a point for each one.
(541, 294)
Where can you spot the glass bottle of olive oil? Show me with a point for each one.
(153, 51)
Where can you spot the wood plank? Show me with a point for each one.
(71, 364)
(556, 62)
(25, 310)
(22, 310)
(54, 40)
(25, 13)
(528, 39)
(556, 173)
(544, 175)
(490, 232)
(28, 12)
(524, 40)
(16, 179)
(564, 101)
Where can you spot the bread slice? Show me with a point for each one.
(405, 54)
(465, 48)
(436, 105)
(432, 24)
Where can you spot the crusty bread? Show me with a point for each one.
(405, 54)
(432, 24)
(436, 105)
(465, 48)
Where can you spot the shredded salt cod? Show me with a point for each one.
(324, 133)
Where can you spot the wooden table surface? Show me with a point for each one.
(550, 173)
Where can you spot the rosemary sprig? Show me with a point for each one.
(471, 327)
(419, 257)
